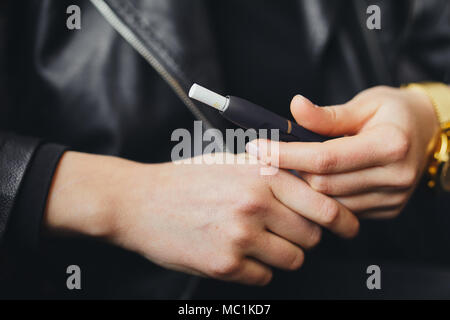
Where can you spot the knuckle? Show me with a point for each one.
(295, 261)
(399, 199)
(324, 161)
(399, 145)
(251, 204)
(315, 235)
(265, 279)
(332, 113)
(225, 267)
(242, 236)
(406, 179)
(403, 198)
(329, 212)
(320, 183)
(353, 230)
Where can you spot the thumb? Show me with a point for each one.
(345, 119)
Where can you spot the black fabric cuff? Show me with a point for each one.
(24, 226)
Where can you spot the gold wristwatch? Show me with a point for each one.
(439, 165)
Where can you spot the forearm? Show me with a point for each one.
(84, 193)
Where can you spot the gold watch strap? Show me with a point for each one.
(439, 94)
(439, 160)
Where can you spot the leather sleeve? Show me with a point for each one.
(24, 226)
(27, 166)
(16, 153)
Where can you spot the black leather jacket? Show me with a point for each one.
(118, 86)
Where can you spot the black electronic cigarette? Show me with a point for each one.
(249, 115)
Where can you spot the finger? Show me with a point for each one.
(251, 272)
(373, 201)
(387, 213)
(332, 120)
(277, 252)
(351, 183)
(321, 209)
(291, 226)
(375, 147)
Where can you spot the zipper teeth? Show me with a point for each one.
(131, 38)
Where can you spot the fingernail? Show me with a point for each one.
(298, 98)
(252, 148)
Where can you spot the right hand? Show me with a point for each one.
(222, 221)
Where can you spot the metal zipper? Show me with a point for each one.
(137, 44)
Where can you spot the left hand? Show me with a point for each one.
(374, 168)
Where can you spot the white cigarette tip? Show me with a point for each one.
(192, 90)
(207, 96)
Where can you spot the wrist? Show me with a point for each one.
(426, 123)
(439, 96)
(422, 99)
(84, 194)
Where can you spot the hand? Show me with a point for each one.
(223, 221)
(374, 168)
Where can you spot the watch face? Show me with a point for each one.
(445, 177)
